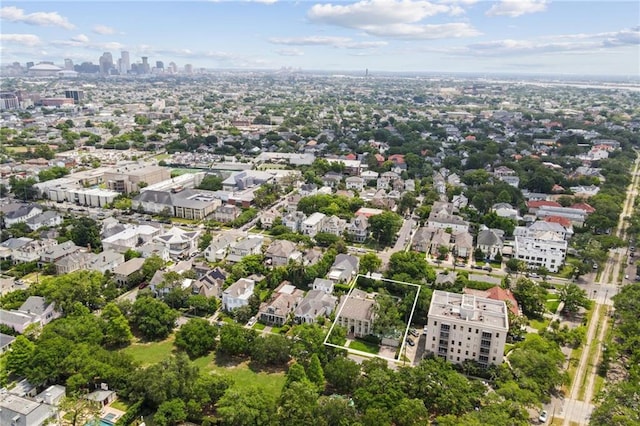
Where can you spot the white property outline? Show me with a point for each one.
(406, 332)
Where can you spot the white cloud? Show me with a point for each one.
(424, 32)
(575, 43)
(339, 42)
(23, 39)
(515, 8)
(103, 29)
(367, 13)
(290, 52)
(393, 18)
(52, 19)
(80, 38)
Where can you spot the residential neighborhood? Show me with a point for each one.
(407, 228)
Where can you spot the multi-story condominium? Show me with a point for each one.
(464, 327)
(544, 249)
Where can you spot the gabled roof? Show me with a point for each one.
(539, 203)
(583, 206)
(490, 237)
(35, 305)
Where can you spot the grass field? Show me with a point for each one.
(242, 375)
(150, 353)
(539, 325)
(552, 303)
(17, 149)
(360, 345)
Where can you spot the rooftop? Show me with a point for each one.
(469, 308)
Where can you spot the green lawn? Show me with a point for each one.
(258, 326)
(119, 404)
(508, 347)
(539, 325)
(552, 305)
(162, 157)
(360, 345)
(150, 353)
(243, 376)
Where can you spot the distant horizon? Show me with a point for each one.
(517, 37)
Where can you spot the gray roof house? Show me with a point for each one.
(280, 252)
(344, 268)
(490, 241)
(315, 304)
(49, 218)
(122, 273)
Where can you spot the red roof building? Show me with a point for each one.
(379, 159)
(583, 206)
(396, 158)
(566, 222)
(535, 205)
(351, 156)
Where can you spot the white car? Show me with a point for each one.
(543, 417)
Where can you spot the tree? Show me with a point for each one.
(197, 337)
(247, 406)
(205, 241)
(150, 266)
(51, 173)
(235, 340)
(272, 349)
(411, 263)
(117, 331)
(407, 203)
(410, 412)
(131, 254)
(370, 263)
(531, 297)
(84, 287)
(335, 411)
(19, 357)
(86, 233)
(298, 403)
(23, 189)
(170, 413)
(342, 374)
(211, 183)
(315, 373)
(384, 226)
(153, 318)
(574, 298)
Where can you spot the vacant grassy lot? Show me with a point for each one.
(361, 345)
(242, 375)
(150, 353)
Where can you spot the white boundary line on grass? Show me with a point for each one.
(406, 332)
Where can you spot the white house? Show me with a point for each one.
(237, 294)
(311, 225)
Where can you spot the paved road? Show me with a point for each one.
(404, 240)
(575, 409)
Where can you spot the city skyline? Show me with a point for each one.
(523, 36)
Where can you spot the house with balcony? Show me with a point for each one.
(237, 294)
(284, 301)
(358, 229)
(181, 243)
(356, 313)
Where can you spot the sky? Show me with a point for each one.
(503, 36)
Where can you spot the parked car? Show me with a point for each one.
(410, 342)
(543, 417)
(252, 321)
(413, 332)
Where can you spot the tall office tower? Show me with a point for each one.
(9, 100)
(75, 94)
(125, 62)
(30, 64)
(173, 68)
(188, 69)
(145, 65)
(68, 64)
(106, 63)
(160, 65)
